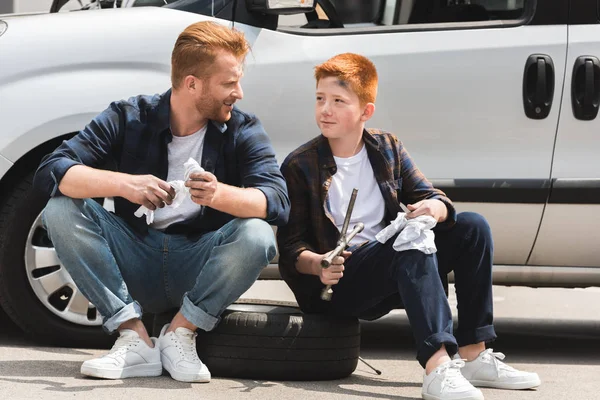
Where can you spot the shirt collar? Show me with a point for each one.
(326, 159)
(163, 114)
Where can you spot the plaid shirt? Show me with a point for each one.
(308, 172)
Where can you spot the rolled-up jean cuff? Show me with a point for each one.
(433, 343)
(130, 311)
(198, 316)
(478, 335)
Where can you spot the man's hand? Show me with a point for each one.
(203, 187)
(148, 190)
(432, 207)
(335, 271)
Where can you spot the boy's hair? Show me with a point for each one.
(357, 71)
(195, 48)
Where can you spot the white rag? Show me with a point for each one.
(415, 233)
(179, 187)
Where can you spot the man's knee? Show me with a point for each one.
(258, 237)
(59, 210)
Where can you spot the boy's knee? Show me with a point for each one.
(476, 225)
(474, 221)
(415, 263)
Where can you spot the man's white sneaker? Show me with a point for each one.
(129, 357)
(179, 356)
(487, 370)
(447, 383)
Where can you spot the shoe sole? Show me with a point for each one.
(135, 371)
(530, 384)
(432, 397)
(182, 376)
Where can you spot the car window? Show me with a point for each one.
(359, 13)
(425, 11)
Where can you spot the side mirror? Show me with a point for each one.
(281, 7)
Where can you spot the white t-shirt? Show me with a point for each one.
(369, 208)
(180, 150)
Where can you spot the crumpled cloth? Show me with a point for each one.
(415, 233)
(181, 190)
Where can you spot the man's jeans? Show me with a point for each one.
(378, 279)
(120, 271)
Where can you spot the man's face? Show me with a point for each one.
(221, 88)
(337, 110)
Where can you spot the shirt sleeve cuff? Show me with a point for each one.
(59, 169)
(274, 206)
(451, 218)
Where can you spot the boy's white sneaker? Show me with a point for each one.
(447, 383)
(179, 356)
(129, 357)
(488, 370)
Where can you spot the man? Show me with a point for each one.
(200, 256)
(372, 278)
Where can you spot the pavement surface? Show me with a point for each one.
(554, 332)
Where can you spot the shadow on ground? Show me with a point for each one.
(521, 341)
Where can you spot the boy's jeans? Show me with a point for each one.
(378, 279)
(120, 271)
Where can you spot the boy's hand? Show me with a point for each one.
(432, 207)
(335, 271)
(203, 187)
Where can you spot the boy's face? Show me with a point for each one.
(338, 111)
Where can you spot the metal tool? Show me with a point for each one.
(342, 243)
(404, 208)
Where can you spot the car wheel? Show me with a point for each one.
(277, 343)
(36, 291)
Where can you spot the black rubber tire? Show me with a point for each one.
(278, 343)
(18, 211)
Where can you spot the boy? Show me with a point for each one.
(372, 278)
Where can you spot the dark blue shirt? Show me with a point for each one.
(132, 136)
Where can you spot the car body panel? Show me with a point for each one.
(569, 234)
(85, 73)
(514, 228)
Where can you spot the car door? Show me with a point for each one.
(452, 90)
(569, 231)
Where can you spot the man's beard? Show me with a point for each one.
(212, 109)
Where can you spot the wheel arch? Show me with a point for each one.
(29, 161)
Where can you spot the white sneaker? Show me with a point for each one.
(487, 370)
(129, 357)
(447, 383)
(179, 356)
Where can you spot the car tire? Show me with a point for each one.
(277, 343)
(19, 209)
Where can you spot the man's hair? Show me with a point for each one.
(357, 71)
(196, 48)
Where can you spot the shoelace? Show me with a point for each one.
(496, 358)
(187, 342)
(452, 375)
(122, 344)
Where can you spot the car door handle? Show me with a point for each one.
(585, 88)
(538, 86)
